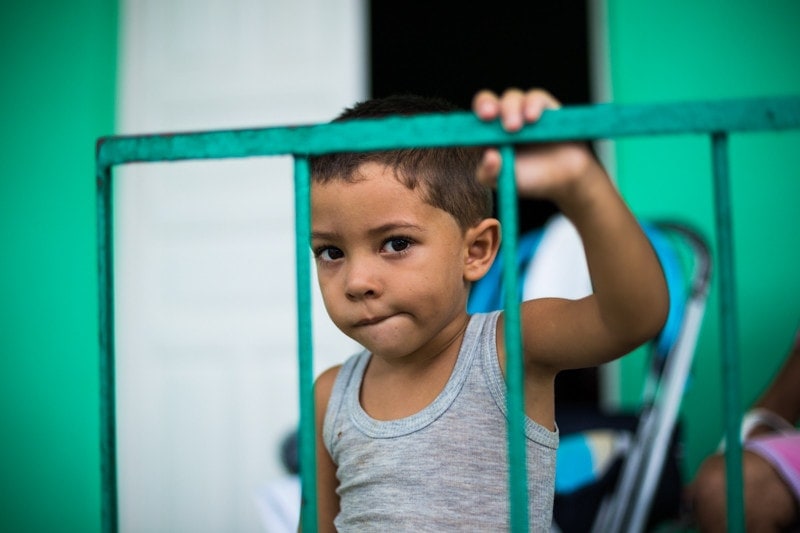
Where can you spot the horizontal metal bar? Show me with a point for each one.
(460, 128)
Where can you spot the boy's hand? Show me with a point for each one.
(543, 170)
(515, 107)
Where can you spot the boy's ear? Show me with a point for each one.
(482, 241)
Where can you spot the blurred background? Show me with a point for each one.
(206, 341)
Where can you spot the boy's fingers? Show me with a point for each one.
(511, 108)
(485, 105)
(535, 102)
(515, 107)
(489, 167)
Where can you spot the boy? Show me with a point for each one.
(412, 431)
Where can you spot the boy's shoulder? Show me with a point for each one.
(324, 382)
(323, 388)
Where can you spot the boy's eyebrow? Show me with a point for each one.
(323, 235)
(378, 230)
(394, 226)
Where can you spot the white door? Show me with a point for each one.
(206, 327)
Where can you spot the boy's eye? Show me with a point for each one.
(397, 244)
(328, 253)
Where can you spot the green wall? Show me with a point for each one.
(682, 50)
(57, 96)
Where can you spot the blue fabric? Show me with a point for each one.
(574, 463)
(676, 286)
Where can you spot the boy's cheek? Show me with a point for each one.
(329, 300)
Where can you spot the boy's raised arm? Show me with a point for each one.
(629, 303)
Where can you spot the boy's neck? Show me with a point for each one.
(393, 389)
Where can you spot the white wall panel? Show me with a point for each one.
(207, 365)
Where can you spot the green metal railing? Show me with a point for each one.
(716, 119)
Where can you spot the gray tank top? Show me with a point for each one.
(444, 468)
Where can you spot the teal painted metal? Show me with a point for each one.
(108, 426)
(579, 122)
(515, 399)
(728, 332)
(573, 123)
(308, 458)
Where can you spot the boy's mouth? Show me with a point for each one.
(370, 321)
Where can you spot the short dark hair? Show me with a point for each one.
(446, 176)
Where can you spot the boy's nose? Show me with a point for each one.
(362, 281)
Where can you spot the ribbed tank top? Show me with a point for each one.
(444, 468)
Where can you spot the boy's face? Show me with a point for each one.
(390, 266)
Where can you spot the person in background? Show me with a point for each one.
(278, 501)
(770, 461)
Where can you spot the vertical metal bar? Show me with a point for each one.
(728, 330)
(108, 426)
(518, 472)
(308, 458)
